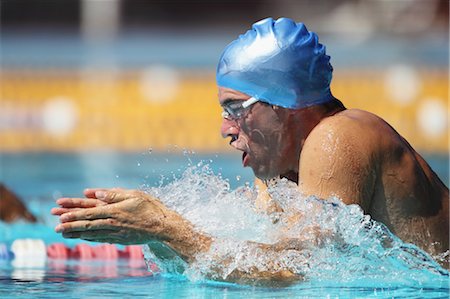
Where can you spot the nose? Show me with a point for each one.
(229, 128)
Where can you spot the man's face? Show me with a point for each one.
(259, 133)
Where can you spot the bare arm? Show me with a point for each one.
(133, 217)
(267, 267)
(128, 217)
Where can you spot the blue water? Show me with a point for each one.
(39, 178)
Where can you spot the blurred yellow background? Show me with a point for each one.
(67, 111)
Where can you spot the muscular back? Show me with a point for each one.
(359, 158)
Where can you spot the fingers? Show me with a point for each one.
(79, 202)
(116, 195)
(74, 204)
(86, 214)
(60, 211)
(90, 192)
(93, 235)
(111, 195)
(95, 197)
(108, 236)
(86, 225)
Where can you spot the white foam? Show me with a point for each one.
(350, 244)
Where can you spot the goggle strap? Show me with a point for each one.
(225, 114)
(249, 102)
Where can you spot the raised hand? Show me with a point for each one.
(126, 217)
(74, 204)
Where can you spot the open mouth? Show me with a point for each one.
(245, 157)
(233, 138)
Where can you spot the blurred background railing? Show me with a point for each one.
(133, 75)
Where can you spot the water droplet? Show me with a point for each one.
(238, 178)
(206, 200)
(117, 176)
(138, 164)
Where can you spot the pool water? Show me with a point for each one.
(70, 284)
(40, 178)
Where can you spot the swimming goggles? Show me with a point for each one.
(234, 110)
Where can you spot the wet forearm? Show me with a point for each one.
(253, 263)
(280, 278)
(190, 244)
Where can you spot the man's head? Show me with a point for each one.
(260, 131)
(278, 62)
(267, 78)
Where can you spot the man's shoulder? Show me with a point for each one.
(339, 155)
(352, 117)
(348, 135)
(352, 125)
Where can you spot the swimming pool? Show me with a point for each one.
(40, 178)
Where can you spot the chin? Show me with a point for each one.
(263, 173)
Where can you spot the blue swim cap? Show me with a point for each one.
(278, 62)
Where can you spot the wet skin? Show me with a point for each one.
(359, 158)
(353, 155)
(326, 149)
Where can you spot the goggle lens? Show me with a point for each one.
(236, 109)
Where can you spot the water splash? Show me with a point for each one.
(205, 199)
(318, 240)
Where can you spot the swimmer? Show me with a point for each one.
(274, 88)
(12, 208)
